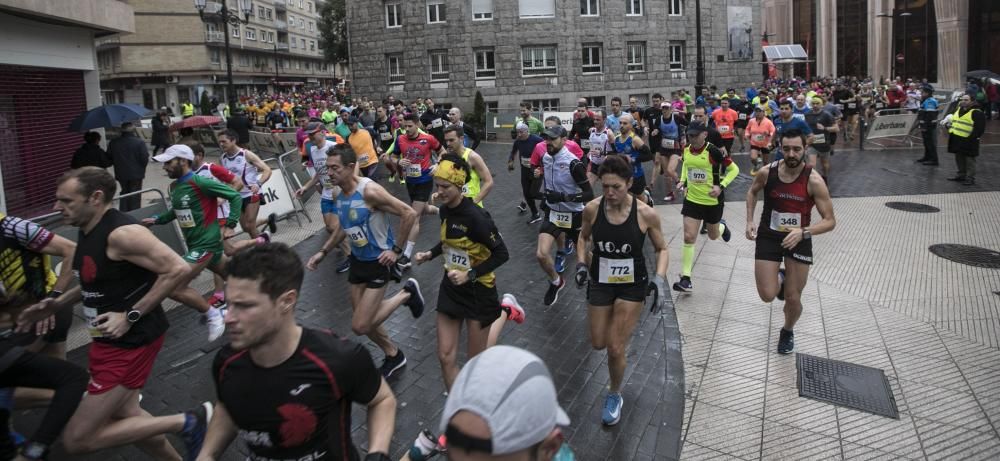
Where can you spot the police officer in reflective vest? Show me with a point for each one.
(187, 109)
(965, 127)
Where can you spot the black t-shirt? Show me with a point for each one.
(434, 123)
(383, 133)
(300, 409)
(820, 141)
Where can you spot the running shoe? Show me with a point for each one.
(263, 238)
(402, 180)
(424, 447)
(391, 364)
(195, 425)
(392, 178)
(560, 262)
(216, 301)
(416, 301)
(344, 266)
(570, 247)
(395, 273)
(535, 218)
(786, 341)
(684, 285)
(704, 228)
(669, 198)
(514, 310)
(753, 171)
(726, 234)
(552, 294)
(216, 326)
(403, 262)
(649, 197)
(272, 223)
(522, 207)
(612, 409)
(781, 287)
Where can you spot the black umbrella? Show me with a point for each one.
(978, 74)
(107, 116)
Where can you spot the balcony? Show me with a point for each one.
(280, 5)
(215, 36)
(281, 25)
(107, 43)
(282, 46)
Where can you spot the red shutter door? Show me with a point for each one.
(36, 107)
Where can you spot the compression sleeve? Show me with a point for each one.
(498, 249)
(645, 153)
(579, 172)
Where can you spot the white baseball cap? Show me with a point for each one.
(175, 151)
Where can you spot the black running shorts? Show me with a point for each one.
(470, 301)
(769, 249)
(370, 273)
(711, 214)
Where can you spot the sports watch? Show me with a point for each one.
(133, 316)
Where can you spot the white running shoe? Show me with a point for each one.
(216, 325)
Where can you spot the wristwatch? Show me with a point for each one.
(396, 249)
(133, 316)
(471, 275)
(806, 234)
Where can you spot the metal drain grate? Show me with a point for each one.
(912, 207)
(968, 255)
(845, 384)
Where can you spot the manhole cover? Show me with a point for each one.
(912, 207)
(968, 255)
(846, 384)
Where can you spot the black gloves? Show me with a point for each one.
(581, 274)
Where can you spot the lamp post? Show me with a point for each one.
(227, 17)
(905, 14)
(276, 66)
(699, 72)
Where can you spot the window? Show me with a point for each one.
(301, 4)
(636, 57)
(492, 106)
(544, 104)
(309, 6)
(312, 26)
(439, 65)
(268, 12)
(260, 12)
(633, 7)
(312, 45)
(537, 8)
(538, 60)
(641, 99)
(392, 16)
(485, 63)
(394, 62)
(298, 64)
(590, 8)
(676, 52)
(302, 23)
(293, 42)
(236, 31)
(251, 33)
(244, 60)
(308, 65)
(435, 12)
(482, 10)
(596, 101)
(591, 58)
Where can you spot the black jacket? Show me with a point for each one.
(242, 125)
(130, 156)
(969, 146)
(90, 155)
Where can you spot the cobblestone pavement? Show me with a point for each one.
(875, 297)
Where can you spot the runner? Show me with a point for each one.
(524, 145)
(630, 144)
(28, 284)
(599, 144)
(253, 172)
(472, 249)
(744, 112)
(566, 189)
(416, 156)
(618, 224)
(668, 139)
(725, 123)
(319, 146)
(363, 144)
(124, 274)
(284, 389)
(470, 138)
(480, 179)
(705, 174)
(791, 188)
(535, 125)
(566, 245)
(759, 131)
(363, 208)
(786, 120)
(823, 126)
(194, 204)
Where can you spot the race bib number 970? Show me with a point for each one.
(697, 176)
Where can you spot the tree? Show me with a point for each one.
(206, 105)
(477, 117)
(333, 32)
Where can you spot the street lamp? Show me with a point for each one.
(905, 14)
(699, 66)
(227, 17)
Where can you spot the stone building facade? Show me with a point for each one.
(547, 51)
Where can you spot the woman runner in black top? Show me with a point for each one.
(618, 225)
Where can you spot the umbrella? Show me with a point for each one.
(196, 121)
(982, 74)
(107, 116)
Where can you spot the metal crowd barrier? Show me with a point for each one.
(297, 175)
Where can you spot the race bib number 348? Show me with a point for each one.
(785, 222)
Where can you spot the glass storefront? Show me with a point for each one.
(984, 35)
(852, 38)
(915, 37)
(804, 33)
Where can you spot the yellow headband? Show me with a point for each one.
(449, 171)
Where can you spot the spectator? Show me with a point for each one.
(129, 156)
(161, 130)
(993, 97)
(90, 153)
(241, 125)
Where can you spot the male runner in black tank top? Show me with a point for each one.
(125, 272)
(786, 232)
(284, 389)
(618, 225)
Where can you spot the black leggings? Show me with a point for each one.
(527, 175)
(39, 371)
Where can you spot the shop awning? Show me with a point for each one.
(785, 54)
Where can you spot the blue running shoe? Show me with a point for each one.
(195, 427)
(612, 409)
(560, 262)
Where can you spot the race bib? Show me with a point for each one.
(436, 123)
(90, 314)
(759, 137)
(526, 162)
(819, 138)
(363, 159)
(357, 236)
(852, 105)
(743, 116)
(616, 270)
(723, 129)
(667, 143)
(697, 176)
(413, 170)
(385, 136)
(327, 182)
(839, 106)
(561, 219)
(585, 144)
(184, 217)
(456, 259)
(879, 105)
(785, 222)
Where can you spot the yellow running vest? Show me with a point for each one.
(471, 188)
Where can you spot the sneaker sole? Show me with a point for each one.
(396, 368)
(418, 294)
(682, 289)
(535, 220)
(511, 302)
(556, 298)
(616, 420)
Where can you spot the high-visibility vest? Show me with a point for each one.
(961, 126)
(187, 109)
